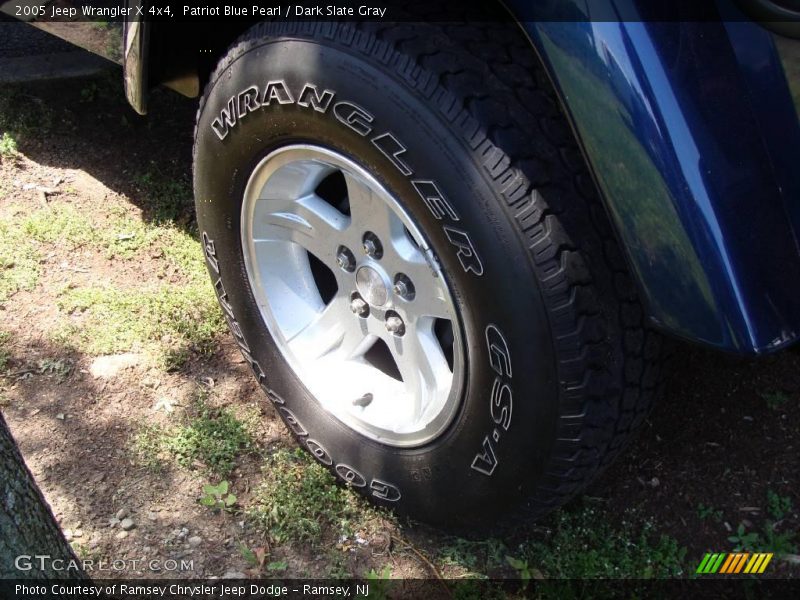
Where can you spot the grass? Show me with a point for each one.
(19, 260)
(169, 198)
(5, 354)
(584, 544)
(300, 501)
(168, 321)
(212, 437)
(61, 223)
(8, 146)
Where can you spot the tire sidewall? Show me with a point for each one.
(508, 346)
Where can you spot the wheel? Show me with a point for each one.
(410, 254)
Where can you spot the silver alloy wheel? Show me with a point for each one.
(352, 295)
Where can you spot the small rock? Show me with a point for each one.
(60, 416)
(113, 521)
(234, 575)
(77, 533)
(152, 516)
(654, 482)
(95, 542)
(121, 535)
(68, 535)
(195, 540)
(121, 513)
(165, 404)
(106, 367)
(127, 524)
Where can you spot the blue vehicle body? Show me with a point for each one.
(694, 141)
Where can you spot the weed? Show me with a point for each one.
(338, 568)
(770, 540)
(380, 583)
(477, 557)
(214, 437)
(277, 566)
(5, 355)
(8, 146)
(524, 572)
(778, 542)
(778, 506)
(217, 497)
(744, 540)
(775, 399)
(709, 512)
(55, 367)
(589, 546)
(299, 499)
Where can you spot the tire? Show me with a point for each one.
(460, 126)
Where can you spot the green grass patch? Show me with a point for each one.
(123, 236)
(167, 321)
(19, 260)
(213, 437)
(585, 545)
(60, 223)
(22, 114)
(168, 198)
(299, 500)
(8, 146)
(5, 353)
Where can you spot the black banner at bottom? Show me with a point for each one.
(378, 589)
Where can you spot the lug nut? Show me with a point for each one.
(403, 287)
(372, 245)
(359, 307)
(395, 325)
(345, 259)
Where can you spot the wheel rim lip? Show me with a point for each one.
(258, 179)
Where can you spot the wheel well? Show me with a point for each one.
(182, 56)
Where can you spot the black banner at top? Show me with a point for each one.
(105, 11)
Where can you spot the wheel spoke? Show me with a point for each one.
(335, 333)
(430, 290)
(309, 222)
(369, 212)
(421, 363)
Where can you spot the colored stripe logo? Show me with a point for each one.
(734, 563)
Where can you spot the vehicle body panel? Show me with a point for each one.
(690, 131)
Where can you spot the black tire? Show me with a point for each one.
(546, 287)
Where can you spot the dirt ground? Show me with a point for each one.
(718, 458)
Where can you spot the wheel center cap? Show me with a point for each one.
(372, 285)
